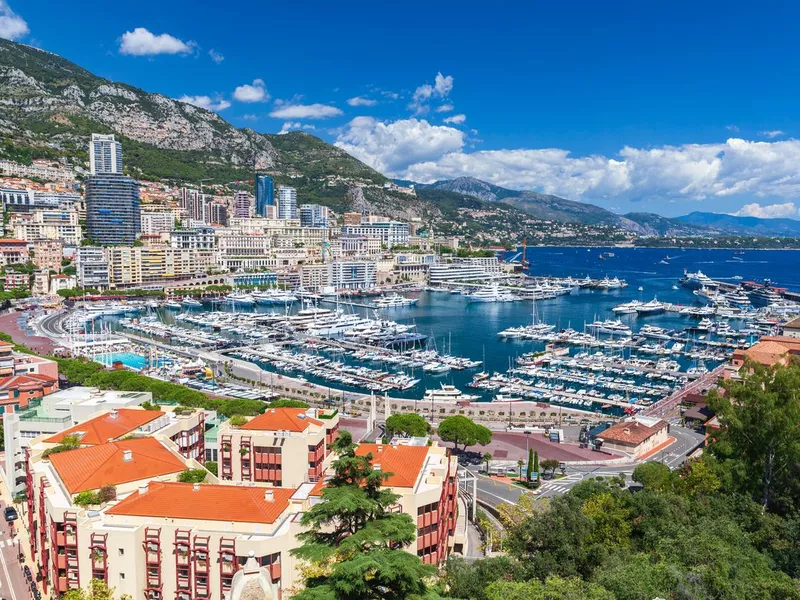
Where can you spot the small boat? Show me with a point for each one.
(190, 302)
(507, 398)
(394, 300)
(173, 304)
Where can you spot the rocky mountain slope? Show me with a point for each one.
(744, 225)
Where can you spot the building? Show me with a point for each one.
(469, 269)
(13, 280)
(157, 222)
(351, 218)
(218, 214)
(287, 203)
(112, 209)
(239, 251)
(314, 215)
(769, 351)
(242, 204)
(6, 359)
(635, 436)
(39, 169)
(390, 233)
(62, 282)
(200, 238)
(91, 264)
(265, 196)
(105, 155)
(792, 328)
(133, 266)
(353, 274)
(47, 254)
(13, 252)
(48, 224)
(284, 446)
(17, 391)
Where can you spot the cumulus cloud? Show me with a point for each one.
(255, 92)
(441, 88)
(12, 26)
(292, 126)
(305, 111)
(216, 56)
(206, 102)
(445, 108)
(456, 119)
(772, 133)
(768, 211)
(732, 128)
(361, 101)
(141, 42)
(393, 147)
(414, 149)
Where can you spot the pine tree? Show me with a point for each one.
(529, 474)
(355, 540)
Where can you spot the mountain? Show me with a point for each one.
(744, 225)
(553, 208)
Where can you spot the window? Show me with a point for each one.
(122, 575)
(122, 551)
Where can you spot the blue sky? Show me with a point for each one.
(671, 108)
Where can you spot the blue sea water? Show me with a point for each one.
(463, 329)
(129, 359)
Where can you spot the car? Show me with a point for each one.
(10, 514)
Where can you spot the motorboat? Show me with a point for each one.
(627, 308)
(507, 398)
(653, 307)
(695, 281)
(491, 293)
(611, 327)
(274, 296)
(190, 302)
(173, 304)
(652, 331)
(447, 393)
(395, 300)
(239, 299)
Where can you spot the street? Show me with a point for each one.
(12, 579)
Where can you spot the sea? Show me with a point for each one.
(460, 328)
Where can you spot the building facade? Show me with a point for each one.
(314, 215)
(287, 203)
(47, 224)
(112, 209)
(265, 195)
(157, 222)
(390, 233)
(91, 264)
(242, 204)
(105, 155)
(47, 254)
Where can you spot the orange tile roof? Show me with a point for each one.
(631, 433)
(281, 419)
(208, 503)
(106, 427)
(768, 353)
(28, 381)
(93, 467)
(403, 462)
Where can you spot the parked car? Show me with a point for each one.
(10, 514)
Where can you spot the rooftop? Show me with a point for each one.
(30, 381)
(405, 463)
(206, 502)
(108, 426)
(633, 432)
(282, 419)
(114, 463)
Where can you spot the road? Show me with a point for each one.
(12, 580)
(495, 492)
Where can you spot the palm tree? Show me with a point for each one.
(486, 458)
(519, 464)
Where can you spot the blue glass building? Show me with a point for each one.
(265, 194)
(112, 209)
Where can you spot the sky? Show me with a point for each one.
(664, 107)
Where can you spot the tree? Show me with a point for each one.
(553, 588)
(536, 466)
(288, 403)
(487, 457)
(529, 474)
(193, 476)
(654, 476)
(550, 464)
(759, 438)
(408, 425)
(520, 462)
(462, 430)
(464, 580)
(96, 590)
(212, 466)
(354, 539)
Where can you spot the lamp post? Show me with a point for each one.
(527, 439)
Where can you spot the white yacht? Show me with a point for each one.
(627, 308)
(651, 331)
(491, 293)
(447, 393)
(653, 307)
(394, 300)
(190, 302)
(507, 398)
(695, 281)
(239, 299)
(274, 296)
(611, 327)
(173, 304)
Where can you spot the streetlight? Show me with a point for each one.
(527, 438)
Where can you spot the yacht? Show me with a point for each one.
(274, 296)
(627, 308)
(338, 325)
(507, 398)
(447, 393)
(611, 284)
(705, 324)
(695, 281)
(615, 327)
(239, 299)
(190, 302)
(764, 296)
(653, 307)
(395, 300)
(737, 298)
(491, 293)
(173, 304)
(651, 331)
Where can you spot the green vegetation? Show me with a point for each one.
(288, 403)
(724, 526)
(409, 425)
(238, 421)
(726, 241)
(211, 466)
(193, 476)
(354, 540)
(90, 498)
(68, 442)
(463, 430)
(96, 590)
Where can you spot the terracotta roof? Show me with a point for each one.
(281, 419)
(631, 433)
(403, 462)
(93, 467)
(793, 324)
(208, 503)
(768, 352)
(107, 427)
(32, 381)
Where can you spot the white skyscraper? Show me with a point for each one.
(105, 154)
(287, 203)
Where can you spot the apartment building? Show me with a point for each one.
(198, 238)
(157, 222)
(152, 536)
(13, 251)
(47, 254)
(390, 233)
(91, 264)
(44, 170)
(43, 224)
(141, 265)
(240, 251)
(283, 446)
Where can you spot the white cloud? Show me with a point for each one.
(12, 26)
(140, 42)
(392, 147)
(257, 92)
(250, 117)
(414, 149)
(456, 119)
(445, 108)
(292, 126)
(441, 88)
(361, 101)
(216, 56)
(768, 211)
(206, 102)
(732, 128)
(390, 95)
(772, 133)
(305, 111)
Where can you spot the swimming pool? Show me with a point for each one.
(130, 360)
